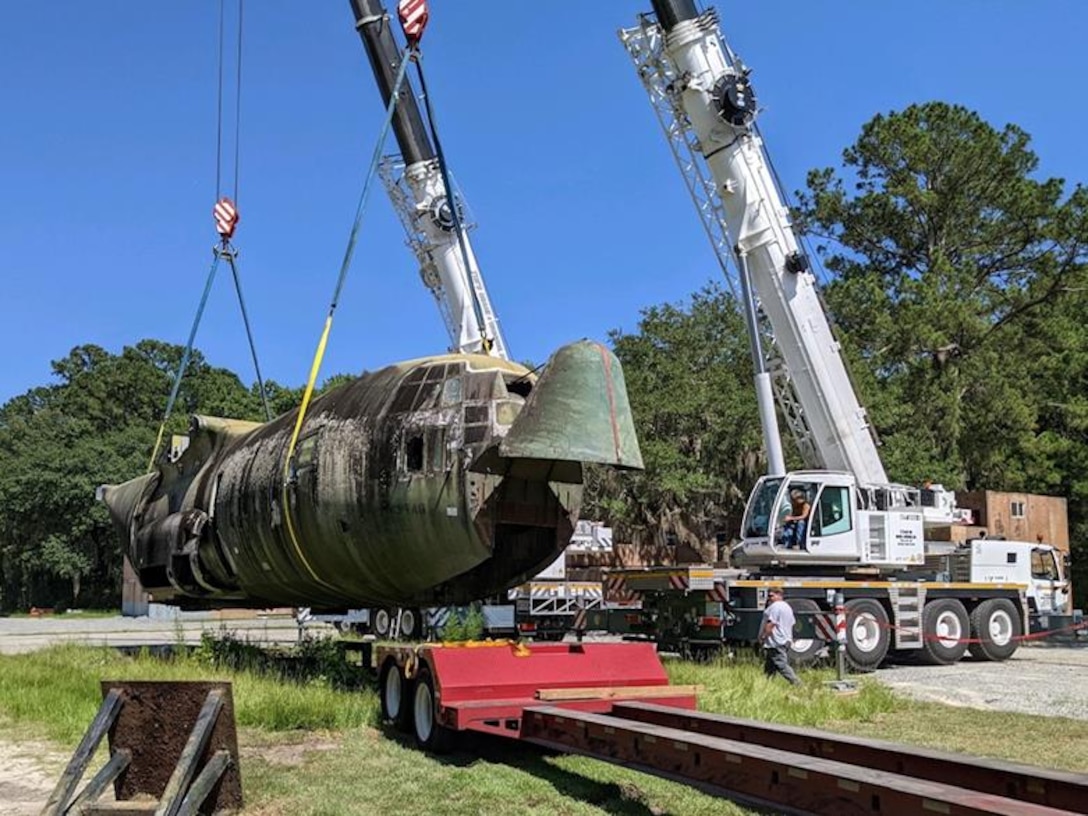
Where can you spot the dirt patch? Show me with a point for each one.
(29, 771)
(290, 754)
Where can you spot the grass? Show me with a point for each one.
(58, 690)
(738, 687)
(311, 748)
(1054, 742)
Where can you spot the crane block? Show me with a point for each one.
(413, 18)
(226, 217)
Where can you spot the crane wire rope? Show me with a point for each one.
(224, 248)
(477, 308)
(319, 354)
(232, 254)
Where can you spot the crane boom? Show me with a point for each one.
(424, 205)
(690, 65)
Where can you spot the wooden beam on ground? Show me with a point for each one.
(105, 776)
(207, 779)
(103, 720)
(190, 755)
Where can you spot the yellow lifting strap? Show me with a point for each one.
(319, 355)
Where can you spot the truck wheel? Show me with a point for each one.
(866, 634)
(805, 651)
(995, 624)
(430, 734)
(380, 622)
(944, 631)
(394, 693)
(409, 624)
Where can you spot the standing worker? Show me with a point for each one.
(776, 635)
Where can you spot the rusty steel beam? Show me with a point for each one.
(1043, 786)
(758, 774)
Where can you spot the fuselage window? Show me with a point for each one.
(477, 423)
(430, 388)
(436, 443)
(475, 414)
(413, 453)
(484, 385)
(451, 391)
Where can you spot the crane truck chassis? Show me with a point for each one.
(981, 598)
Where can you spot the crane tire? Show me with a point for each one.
(867, 637)
(430, 734)
(945, 627)
(996, 629)
(805, 651)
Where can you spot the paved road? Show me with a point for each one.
(19, 635)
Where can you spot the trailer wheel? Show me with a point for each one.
(409, 624)
(866, 634)
(380, 622)
(805, 651)
(995, 624)
(430, 734)
(944, 631)
(394, 692)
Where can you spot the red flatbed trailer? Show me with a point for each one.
(613, 701)
(438, 689)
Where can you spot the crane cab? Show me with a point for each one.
(825, 517)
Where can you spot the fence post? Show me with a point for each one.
(840, 635)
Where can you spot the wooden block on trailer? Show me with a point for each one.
(616, 692)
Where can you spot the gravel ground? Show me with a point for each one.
(1048, 681)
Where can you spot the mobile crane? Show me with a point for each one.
(863, 537)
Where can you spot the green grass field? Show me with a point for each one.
(309, 747)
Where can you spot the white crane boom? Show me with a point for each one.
(705, 103)
(419, 198)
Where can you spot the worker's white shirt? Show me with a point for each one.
(780, 614)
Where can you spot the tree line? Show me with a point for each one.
(957, 280)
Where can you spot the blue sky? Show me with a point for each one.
(107, 160)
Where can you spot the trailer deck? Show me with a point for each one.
(613, 701)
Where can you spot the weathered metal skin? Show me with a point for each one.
(436, 481)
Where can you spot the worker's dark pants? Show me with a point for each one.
(793, 534)
(777, 659)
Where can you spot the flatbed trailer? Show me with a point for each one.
(613, 701)
(698, 607)
(436, 690)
